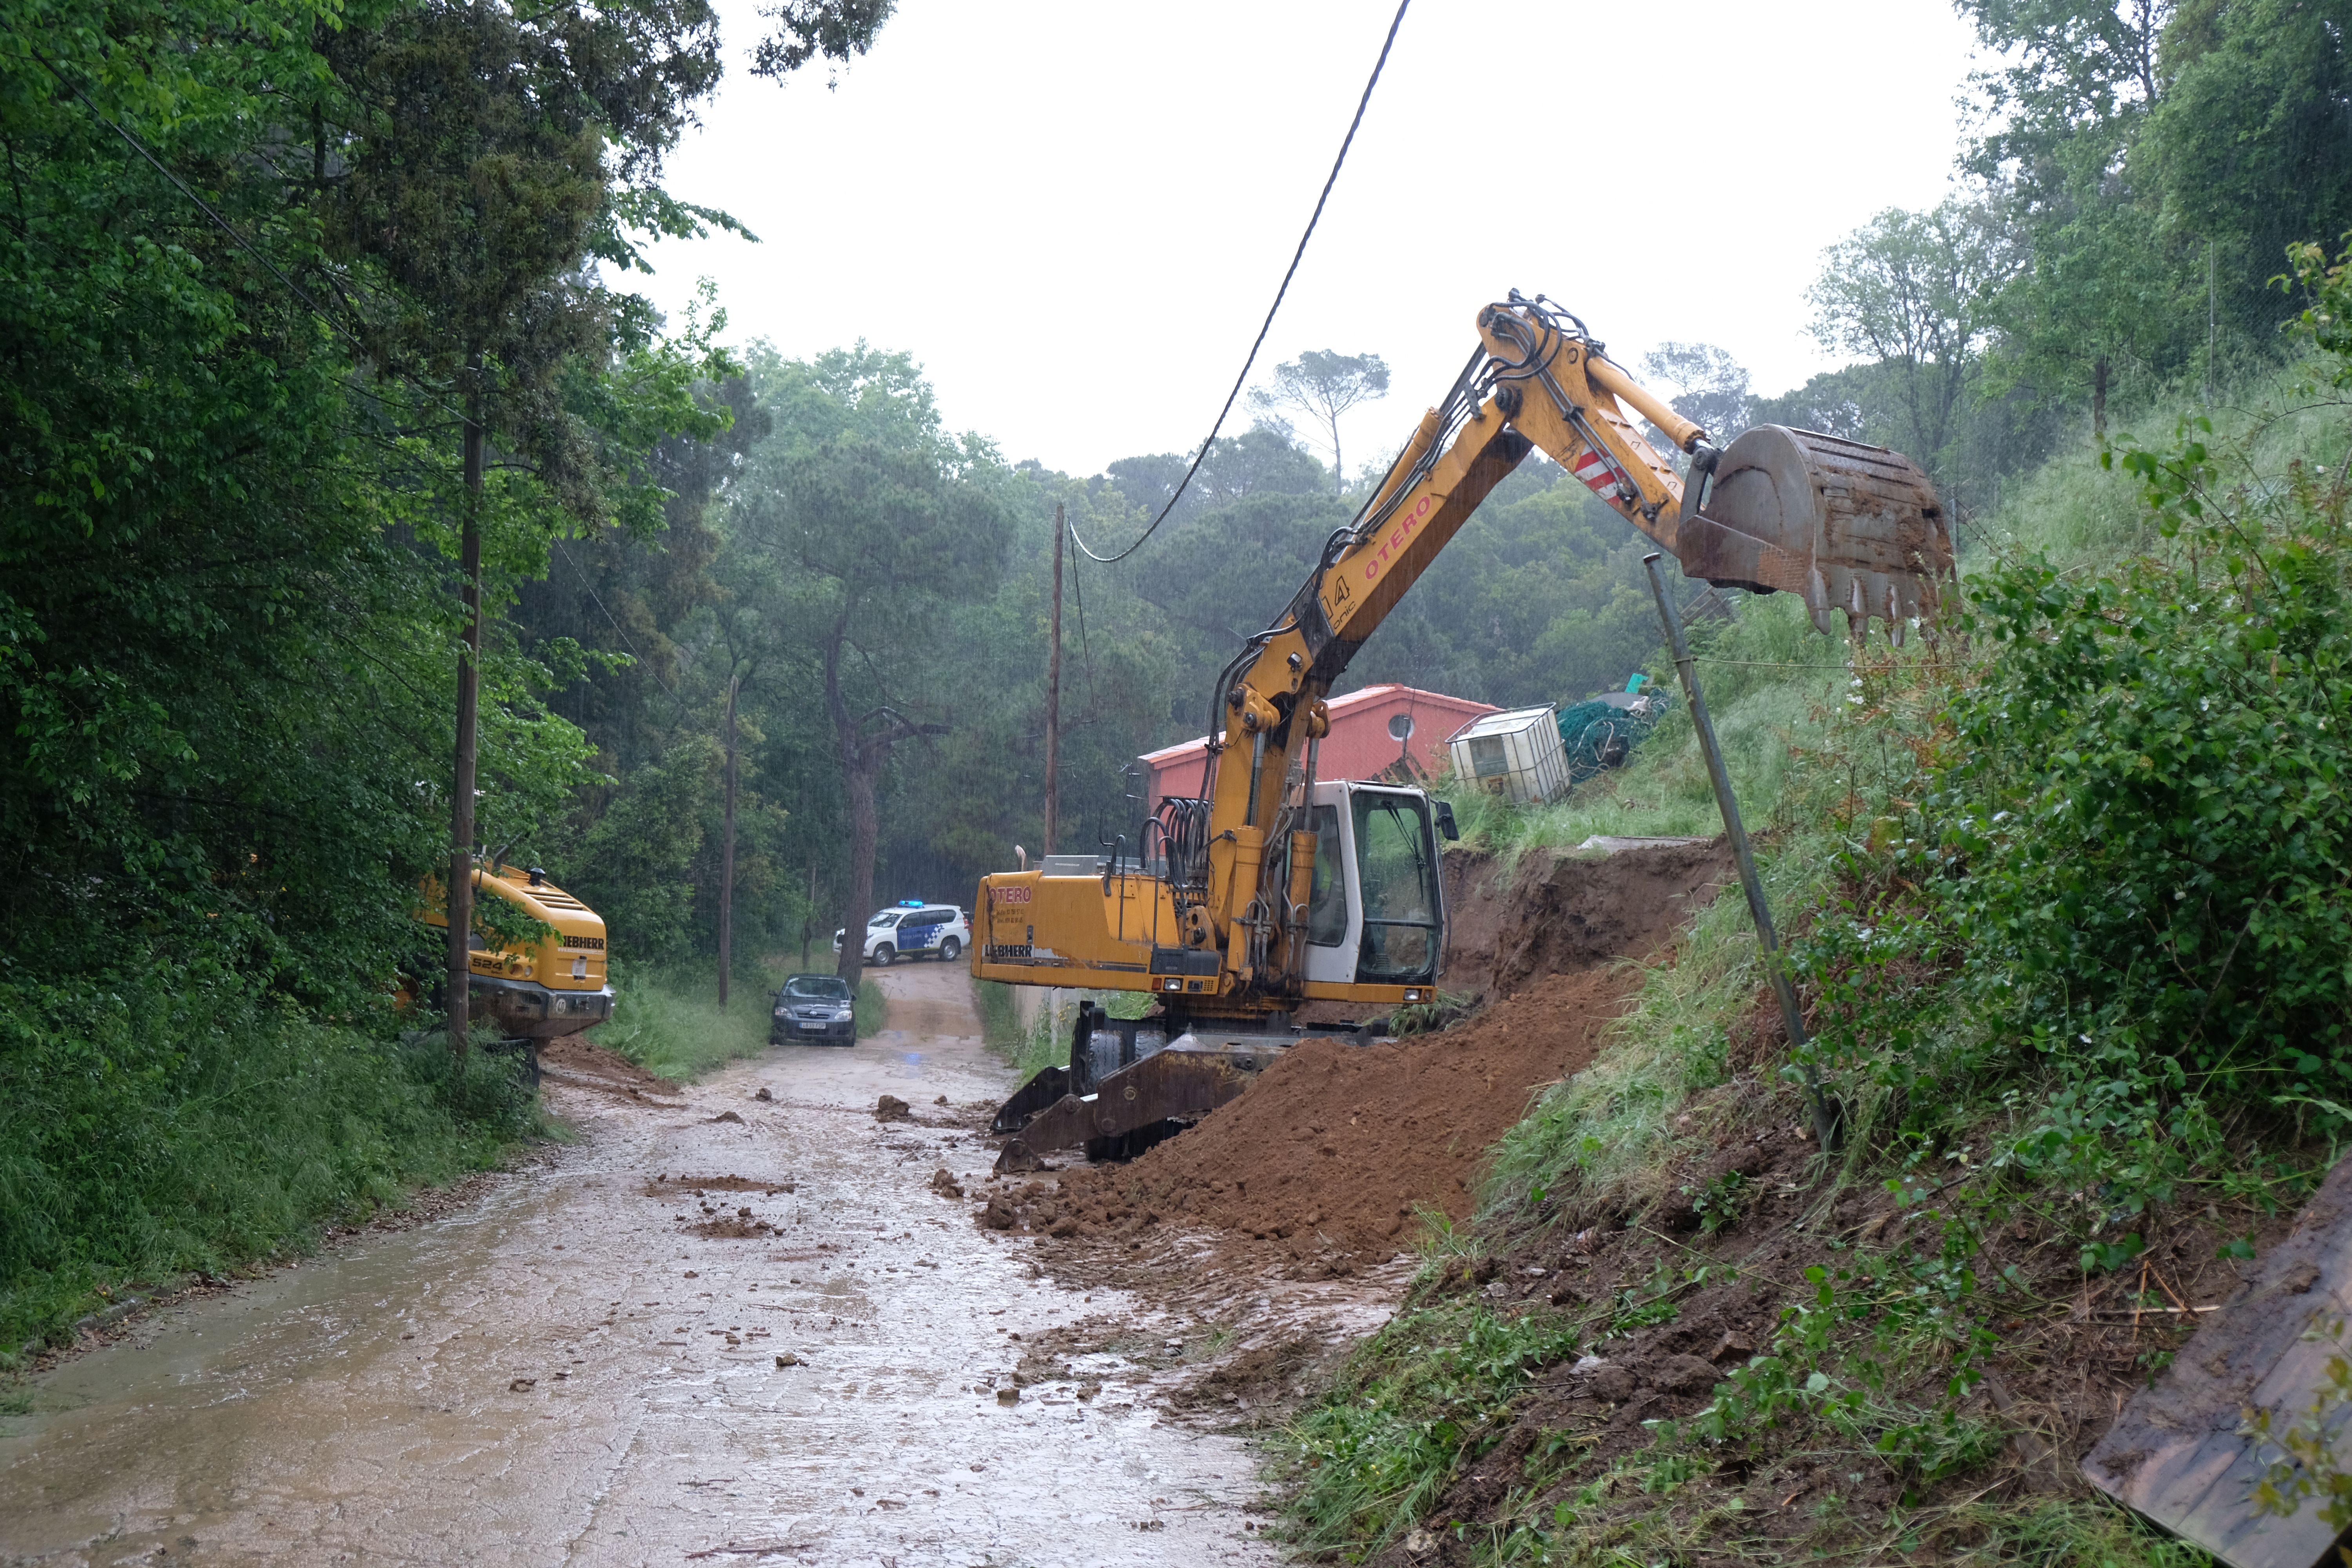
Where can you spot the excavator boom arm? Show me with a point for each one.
(1854, 530)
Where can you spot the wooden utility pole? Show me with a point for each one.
(460, 979)
(727, 856)
(1053, 697)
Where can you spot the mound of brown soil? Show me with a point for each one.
(1561, 913)
(666, 1186)
(1341, 1143)
(1335, 1147)
(574, 1061)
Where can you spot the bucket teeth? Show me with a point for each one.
(1853, 529)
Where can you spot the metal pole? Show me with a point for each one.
(1825, 1114)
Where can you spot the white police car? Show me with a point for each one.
(913, 928)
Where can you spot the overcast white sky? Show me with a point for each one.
(1074, 214)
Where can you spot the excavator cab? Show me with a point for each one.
(1374, 925)
(1377, 916)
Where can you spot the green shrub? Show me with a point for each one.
(2148, 790)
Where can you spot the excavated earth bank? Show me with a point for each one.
(1319, 1170)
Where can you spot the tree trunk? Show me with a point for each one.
(860, 762)
(2099, 398)
(727, 857)
(459, 1000)
(1054, 698)
(1338, 465)
(808, 916)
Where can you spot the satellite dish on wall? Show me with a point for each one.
(1399, 726)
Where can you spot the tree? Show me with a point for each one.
(1713, 386)
(2067, 66)
(836, 30)
(1912, 292)
(874, 523)
(1262, 459)
(2250, 146)
(2093, 294)
(492, 156)
(1323, 384)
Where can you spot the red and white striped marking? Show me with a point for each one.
(1593, 469)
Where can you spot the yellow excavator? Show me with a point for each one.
(530, 990)
(1276, 889)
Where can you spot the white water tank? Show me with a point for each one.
(1515, 754)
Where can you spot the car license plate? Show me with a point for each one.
(813, 1025)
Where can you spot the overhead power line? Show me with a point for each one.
(1387, 44)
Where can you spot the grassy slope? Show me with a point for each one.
(1411, 1417)
(669, 1022)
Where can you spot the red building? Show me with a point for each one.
(1371, 731)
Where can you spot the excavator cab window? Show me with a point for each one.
(1326, 907)
(1396, 862)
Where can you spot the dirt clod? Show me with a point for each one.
(890, 1108)
(763, 1094)
(727, 1115)
(946, 1185)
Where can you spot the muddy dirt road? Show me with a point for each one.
(583, 1368)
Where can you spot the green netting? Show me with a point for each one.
(1597, 735)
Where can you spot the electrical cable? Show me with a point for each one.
(599, 602)
(1333, 179)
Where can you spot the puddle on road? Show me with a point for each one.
(567, 1374)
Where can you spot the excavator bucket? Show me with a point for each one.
(1853, 529)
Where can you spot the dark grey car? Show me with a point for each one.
(815, 1009)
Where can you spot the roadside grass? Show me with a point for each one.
(151, 1130)
(1000, 1020)
(1370, 1460)
(668, 1021)
(871, 1010)
(1029, 1049)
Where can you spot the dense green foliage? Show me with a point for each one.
(259, 266)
